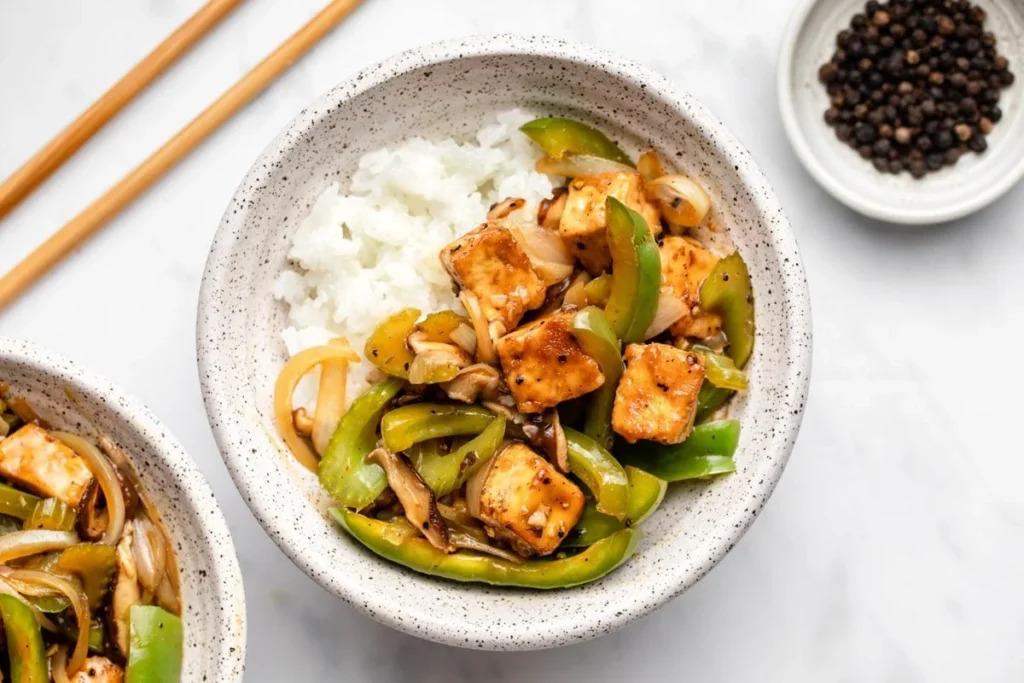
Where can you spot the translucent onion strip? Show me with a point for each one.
(59, 665)
(8, 589)
(574, 165)
(78, 603)
(293, 371)
(109, 482)
(484, 345)
(546, 251)
(670, 309)
(20, 544)
(330, 397)
(683, 202)
(150, 554)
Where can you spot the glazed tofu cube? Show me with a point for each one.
(685, 264)
(697, 326)
(40, 462)
(527, 502)
(490, 263)
(657, 396)
(544, 364)
(583, 222)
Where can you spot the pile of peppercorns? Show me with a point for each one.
(914, 84)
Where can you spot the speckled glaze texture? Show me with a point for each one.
(211, 584)
(448, 90)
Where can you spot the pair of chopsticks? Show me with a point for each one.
(58, 150)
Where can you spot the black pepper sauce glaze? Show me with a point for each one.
(915, 84)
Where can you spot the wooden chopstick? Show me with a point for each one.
(80, 228)
(56, 152)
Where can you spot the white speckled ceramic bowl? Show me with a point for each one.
(211, 584)
(447, 90)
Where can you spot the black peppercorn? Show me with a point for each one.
(943, 139)
(913, 84)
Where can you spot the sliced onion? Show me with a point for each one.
(484, 345)
(461, 539)
(649, 166)
(505, 207)
(293, 371)
(59, 665)
(575, 165)
(167, 596)
(108, 480)
(150, 552)
(78, 603)
(682, 201)
(546, 250)
(464, 337)
(475, 489)
(18, 544)
(576, 295)
(330, 397)
(670, 309)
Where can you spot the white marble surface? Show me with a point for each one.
(892, 549)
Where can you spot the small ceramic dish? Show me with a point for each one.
(213, 612)
(955, 191)
(447, 90)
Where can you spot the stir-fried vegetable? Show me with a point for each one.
(728, 293)
(707, 452)
(408, 425)
(558, 136)
(156, 646)
(720, 370)
(597, 337)
(600, 471)
(24, 642)
(400, 543)
(17, 503)
(710, 399)
(343, 471)
(93, 564)
(387, 347)
(646, 492)
(51, 514)
(636, 272)
(446, 472)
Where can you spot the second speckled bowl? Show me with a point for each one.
(213, 602)
(446, 90)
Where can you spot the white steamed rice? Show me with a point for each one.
(359, 257)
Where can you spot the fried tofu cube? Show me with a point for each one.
(583, 221)
(490, 263)
(38, 461)
(685, 264)
(657, 396)
(524, 500)
(544, 364)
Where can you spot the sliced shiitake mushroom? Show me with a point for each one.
(416, 497)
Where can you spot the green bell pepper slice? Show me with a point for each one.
(600, 472)
(17, 504)
(558, 136)
(707, 452)
(398, 542)
(646, 492)
(709, 399)
(727, 292)
(343, 472)
(636, 272)
(598, 340)
(51, 514)
(598, 290)
(24, 642)
(154, 645)
(445, 472)
(720, 370)
(408, 425)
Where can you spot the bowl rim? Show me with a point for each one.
(189, 481)
(219, 409)
(858, 202)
